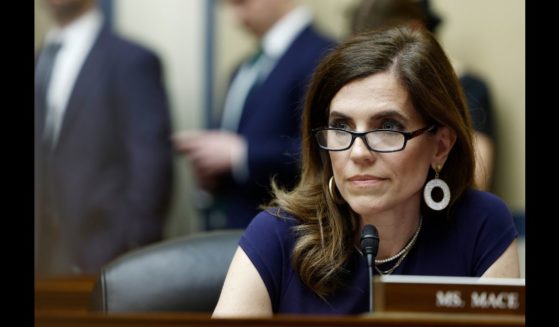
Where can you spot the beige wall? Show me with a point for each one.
(173, 29)
(486, 35)
(42, 22)
(489, 37)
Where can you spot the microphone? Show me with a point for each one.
(369, 243)
(369, 248)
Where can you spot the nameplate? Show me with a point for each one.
(449, 294)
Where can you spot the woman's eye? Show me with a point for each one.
(339, 124)
(392, 125)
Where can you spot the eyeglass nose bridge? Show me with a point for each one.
(363, 137)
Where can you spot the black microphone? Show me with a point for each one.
(369, 248)
(369, 243)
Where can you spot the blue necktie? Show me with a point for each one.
(247, 77)
(42, 79)
(43, 74)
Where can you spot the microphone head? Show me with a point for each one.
(369, 240)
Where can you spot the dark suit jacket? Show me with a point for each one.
(270, 123)
(112, 165)
(478, 98)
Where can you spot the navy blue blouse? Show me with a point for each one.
(466, 245)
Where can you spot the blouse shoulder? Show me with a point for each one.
(486, 221)
(480, 203)
(271, 220)
(268, 242)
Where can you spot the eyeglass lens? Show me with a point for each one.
(377, 140)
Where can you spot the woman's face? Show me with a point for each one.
(369, 181)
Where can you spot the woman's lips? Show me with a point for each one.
(365, 180)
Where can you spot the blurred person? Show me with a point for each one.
(102, 143)
(384, 125)
(258, 135)
(370, 14)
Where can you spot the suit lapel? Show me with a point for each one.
(39, 108)
(87, 79)
(281, 71)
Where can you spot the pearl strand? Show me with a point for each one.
(405, 253)
(405, 249)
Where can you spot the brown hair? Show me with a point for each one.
(326, 230)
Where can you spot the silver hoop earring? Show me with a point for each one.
(427, 192)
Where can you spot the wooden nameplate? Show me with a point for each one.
(449, 294)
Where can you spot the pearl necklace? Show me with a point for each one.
(405, 249)
(401, 255)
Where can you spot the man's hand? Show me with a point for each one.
(211, 153)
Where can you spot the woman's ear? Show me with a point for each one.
(445, 141)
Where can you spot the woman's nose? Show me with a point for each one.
(360, 150)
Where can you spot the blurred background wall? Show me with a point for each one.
(488, 36)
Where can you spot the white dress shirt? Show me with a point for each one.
(77, 38)
(274, 44)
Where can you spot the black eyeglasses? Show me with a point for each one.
(378, 140)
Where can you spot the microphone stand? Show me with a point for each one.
(370, 288)
(369, 248)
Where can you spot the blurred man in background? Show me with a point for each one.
(102, 150)
(258, 135)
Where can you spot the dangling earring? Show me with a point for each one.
(427, 192)
(331, 189)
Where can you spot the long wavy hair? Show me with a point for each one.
(325, 235)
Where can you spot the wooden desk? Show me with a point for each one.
(64, 302)
(68, 294)
(388, 319)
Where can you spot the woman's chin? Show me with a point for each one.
(366, 205)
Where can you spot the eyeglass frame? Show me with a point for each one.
(362, 136)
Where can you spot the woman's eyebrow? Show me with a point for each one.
(337, 114)
(389, 113)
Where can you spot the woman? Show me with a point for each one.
(384, 120)
(371, 14)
